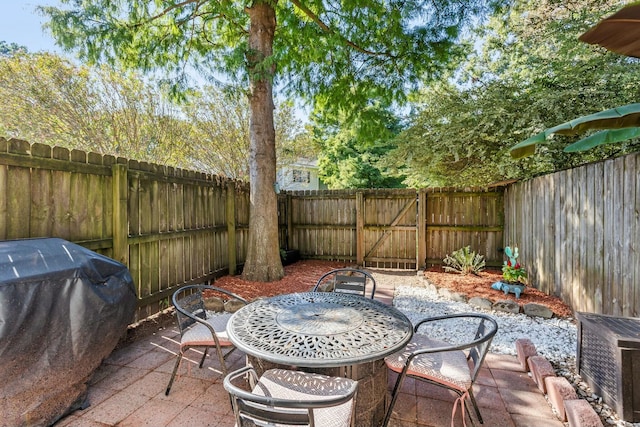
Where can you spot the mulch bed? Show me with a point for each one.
(480, 286)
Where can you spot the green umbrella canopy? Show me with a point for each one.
(604, 137)
(619, 118)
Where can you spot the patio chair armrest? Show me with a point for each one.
(248, 369)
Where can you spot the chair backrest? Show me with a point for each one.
(189, 303)
(266, 404)
(247, 412)
(346, 280)
(487, 328)
(475, 343)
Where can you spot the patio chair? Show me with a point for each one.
(295, 398)
(198, 329)
(346, 280)
(453, 364)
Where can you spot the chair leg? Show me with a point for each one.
(173, 375)
(204, 356)
(394, 396)
(222, 357)
(465, 412)
(475, 406)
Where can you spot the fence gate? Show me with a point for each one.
(387, 229)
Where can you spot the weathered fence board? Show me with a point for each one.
(583, 245)
(169, 226)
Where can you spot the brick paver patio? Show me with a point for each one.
(128, 391)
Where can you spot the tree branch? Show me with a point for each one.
(328, 30)
(169, 9)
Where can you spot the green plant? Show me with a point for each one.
(512, 271)
(464, 261)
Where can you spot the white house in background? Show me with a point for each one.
(300, 175)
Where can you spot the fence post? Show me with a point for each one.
(360, 228)
(120, 213)
(231, 227)
(289, 208)
(421, 238)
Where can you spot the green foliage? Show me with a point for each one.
(464, 261)
(530, 72)
(219, 141)
(344, 54)
(9, 49)
(113, 112)
(49, 100)
(350, 154)
(514, 274)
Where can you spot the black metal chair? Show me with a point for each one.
(346, 280)
(453, 364)
(292, 398)
(198, 329)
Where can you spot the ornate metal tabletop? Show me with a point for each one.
(319, 329)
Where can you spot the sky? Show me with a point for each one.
(21, 24)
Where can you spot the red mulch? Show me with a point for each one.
(298, 277)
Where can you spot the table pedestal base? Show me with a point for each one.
(371, 399)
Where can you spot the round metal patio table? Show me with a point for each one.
(331, 333)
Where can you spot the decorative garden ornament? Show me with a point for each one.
(514, 276)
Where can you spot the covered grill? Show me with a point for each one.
(63, 309)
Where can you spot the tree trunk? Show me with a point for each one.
(263, 252)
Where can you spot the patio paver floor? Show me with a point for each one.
(128, 390)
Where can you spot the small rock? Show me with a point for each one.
(430, 287)
(480, 302)
(214, 304)
(506, 305)
(539, 310)
(453, 296)
(233, 305)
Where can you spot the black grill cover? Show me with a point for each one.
(63, 309)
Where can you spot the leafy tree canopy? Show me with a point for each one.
(346, 53)
(219, 139)
(49, 100)
(111, 111)
(529, 73)
(350, 155)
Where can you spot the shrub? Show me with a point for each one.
(464, 261)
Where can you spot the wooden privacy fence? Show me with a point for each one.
(169, 226)
(173, 227)
(404, 229)
(578, 230)
(579, 234)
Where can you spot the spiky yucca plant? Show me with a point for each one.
(464, 261)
